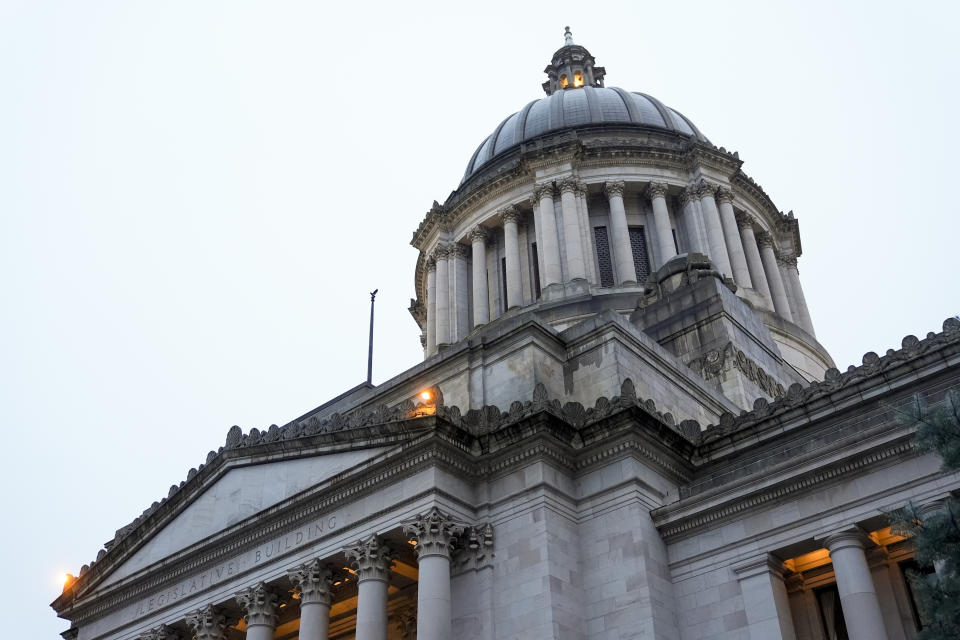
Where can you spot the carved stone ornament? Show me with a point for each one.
(259, 605)
(705, 189)
(479, 233)
(163, 632)
(312, 582)
(476, 547)
(208, 624)
(509, 214)
(581, 188)
(543, 190)
(743, 220)
(457, 251)
(568, 185)
(407, 623)
(614, 189)
(431, 264)
(764, 239)
(724, 194)
(688, 196)
(787, 260)
(435, 533)
(370, 558)
(657, 190)
(440, 252)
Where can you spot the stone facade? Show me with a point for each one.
(580, 455)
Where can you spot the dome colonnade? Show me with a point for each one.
(551, 243)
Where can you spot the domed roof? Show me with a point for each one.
(582, 106)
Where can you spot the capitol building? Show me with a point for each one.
(623, 427)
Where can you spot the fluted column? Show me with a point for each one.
(431, 306)
(798, 302)
(663, 232)
(510, 218)
(442, 285)
(434, 533)
(778, 292)
(692, 221)
(459, 291)
(576, 268)
(711, 222)
(259, 606)
(371, 560)
(312, 583)
(728, 221)
(552, 273)
(858, 596)
(481, 295)
(754, 263)
(208, 623)
(620, 235)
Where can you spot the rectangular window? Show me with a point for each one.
(603, 256)
(536, 268)
(641, 259)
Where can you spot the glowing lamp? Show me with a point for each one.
(425, 395)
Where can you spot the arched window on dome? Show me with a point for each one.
(564, 81)
(578, 78)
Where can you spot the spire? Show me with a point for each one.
(572, 67)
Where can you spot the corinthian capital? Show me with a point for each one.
(657, 190)
(163, 632)
(259, 605)
(312, 582)
(509, 214)
(430, 263)
(724, 194)
(435, 533)
(743, 220)
(208, 623)
(543, 190)
(688, 195)
(614, 189)
(705, 189)
(479, 233)
(764, 239)
(440, 252)
(457, 250)
(787, 260)
(370, 558)
(568, 185)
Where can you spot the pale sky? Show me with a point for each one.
(196, 197)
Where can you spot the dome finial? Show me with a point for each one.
(567, 37)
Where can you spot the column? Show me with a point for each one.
(371, 559)
(798, 302)
(208, 623)
(443, 295)
(858, 597)
(434, 533)
(711, 222)
(586, 235)
(778, 292)
(259, 606)
(547, 223)
(576, 269)
(510, 218)
(459, 291)
(312, 583)
(481, 305)
(765, 598)
(931, 510)
(728, 221)
(663, 233)
(620, 235)
(431, 306)
(692, 221)
(754, 263)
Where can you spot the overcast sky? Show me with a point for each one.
(196, 197)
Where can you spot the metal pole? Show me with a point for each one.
(373, 295)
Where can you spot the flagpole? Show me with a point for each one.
(373, 295)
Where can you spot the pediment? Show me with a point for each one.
(236, 495)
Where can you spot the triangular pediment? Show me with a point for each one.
(236, 495)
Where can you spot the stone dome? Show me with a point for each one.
(586, 106)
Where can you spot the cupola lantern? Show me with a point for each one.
(572, 67)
